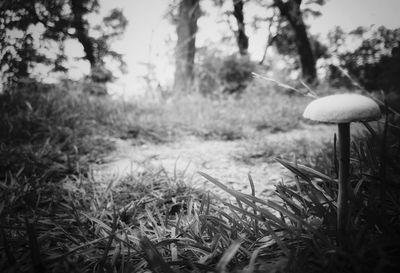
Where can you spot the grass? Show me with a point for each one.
(46, 133)
(305, 145)
(227, 118)
(156, 222)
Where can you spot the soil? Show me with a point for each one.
(217, 158)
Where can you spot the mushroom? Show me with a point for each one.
(343, 109)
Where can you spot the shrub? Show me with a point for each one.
(375, 64)
(235, 73)
(218, 75)
(48, 131)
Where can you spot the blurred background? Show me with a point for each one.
(135, 47)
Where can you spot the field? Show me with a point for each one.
(57, 214)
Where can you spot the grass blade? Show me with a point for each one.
(229, 254)
(10, 257)
(34, 247)
(153, 257)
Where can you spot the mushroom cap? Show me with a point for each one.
(342, 108)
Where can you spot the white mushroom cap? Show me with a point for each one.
(342, 108)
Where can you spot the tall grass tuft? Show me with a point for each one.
(302, 223)
(46, 131)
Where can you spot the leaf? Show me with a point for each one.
(300, 170)
(54, 258)
(248, 200)
(278, 240)
(99, 222)
(34, 247)
(294, 169)
(227, 257)
(252, 263)
(297, 219)
(10, 257)
(296, 208)
(153, 257)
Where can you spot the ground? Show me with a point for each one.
(218, 158)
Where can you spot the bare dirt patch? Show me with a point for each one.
(218, 158)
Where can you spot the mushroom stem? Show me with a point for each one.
(343, 109)
(344, 195)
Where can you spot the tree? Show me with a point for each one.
(186, 28)
(241, 37)
(291, 11)
(112, 28)
(375, 63)
(58, 20)
(242, 40)
(79, 9)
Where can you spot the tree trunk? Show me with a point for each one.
(291, 11)
(189, 12)
(81, 31)
(241, 37)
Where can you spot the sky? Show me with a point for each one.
(350, 14)
(150, 37)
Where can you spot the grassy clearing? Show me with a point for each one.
(304, 145)
(54, 217)
(46, 132)
(260, 108)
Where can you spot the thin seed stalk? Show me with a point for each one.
(344, 195)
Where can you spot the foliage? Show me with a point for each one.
(57, 126)
(218, 75)
(284, 41)
(281, 34)
(235, 73)
(258, 109)
(154, 221)
(375, 64)
(62, 220)
(28, 26)
(49, 131)
(112, 28)
(307, 209)
(292, 13)
(305, 147)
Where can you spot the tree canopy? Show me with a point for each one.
(374, 64)
(28, 28)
